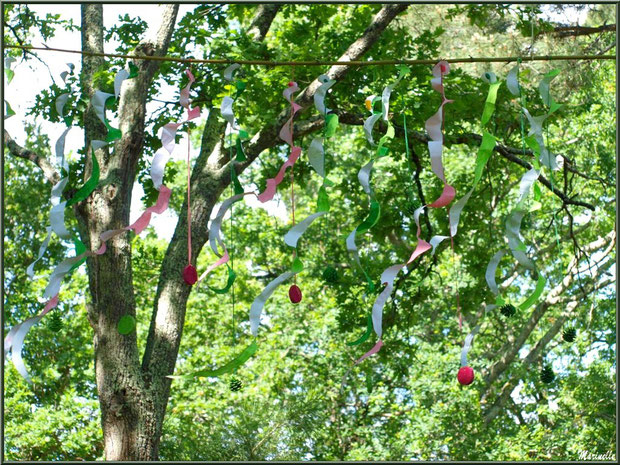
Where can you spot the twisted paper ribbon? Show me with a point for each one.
(292, 237)
(434, 128)
(513, 222)
(14, 340)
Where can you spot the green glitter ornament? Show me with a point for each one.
(330, 275)
(569, 334)
(508, 310)
(547, 375)
(55, 322)
(235, 384)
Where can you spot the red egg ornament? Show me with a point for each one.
(190, 275)
(465, 376)
(294, 293)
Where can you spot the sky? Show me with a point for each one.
(31, 78)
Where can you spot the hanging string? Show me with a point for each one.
(189, 209)
(232, 229)
(454, 263)
(293, 170)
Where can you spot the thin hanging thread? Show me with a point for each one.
(293, 169)
(454, 263)
(189, 205)
(232, 230)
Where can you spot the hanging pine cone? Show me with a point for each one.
(508, 310)
(412, 206)
(547, 375)
(569, 334)
(235, 384)
(55, 322)
(330, 275)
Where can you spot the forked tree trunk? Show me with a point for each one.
(133, 395)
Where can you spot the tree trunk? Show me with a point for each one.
(130, 425)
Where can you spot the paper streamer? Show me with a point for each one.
(287, 136)
(230, 367)
(434, 129)
(470, 337)
(364, 174)
(14, 341)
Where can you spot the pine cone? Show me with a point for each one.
(235, 384)
(547, 375)
(569, 334)
(55, 322)
(412, 206)
(508, 310)
(330, 275)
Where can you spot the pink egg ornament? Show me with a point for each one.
(190, 275)
(465, 376)
(294, 293)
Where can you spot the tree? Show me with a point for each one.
(131, 370)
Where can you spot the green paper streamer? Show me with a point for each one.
(489, 105)
(540, 287)
(133, 71)
(238, 189)
(9, 75)
(228, 368)
(364, 336)
(298, 265)
(89, 186)
(126, 324)
(113, 133)
(484, 153)
(323, 200)
(331, 125)
(240, 154)
(372, 218)
(80, 248)
(231, 280)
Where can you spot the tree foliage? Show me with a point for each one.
(301, 396)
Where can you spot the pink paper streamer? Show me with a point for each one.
(434, 128)
(161, 205)
(286, 134)
(374, 350)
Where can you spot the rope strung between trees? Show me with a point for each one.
(325, 63)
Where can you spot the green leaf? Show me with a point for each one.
(9, 75)
(126, 324)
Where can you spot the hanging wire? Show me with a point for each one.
(322, 63)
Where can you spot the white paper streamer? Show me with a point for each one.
(319, 95)
(258, 304)
(512, 81)
(293, 235)
(316, 155)
(491, 270)
(470, 337)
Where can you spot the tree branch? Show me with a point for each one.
(17, 150)
(510, 350)
(265, 14)
(507, 152)
(573, 31)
